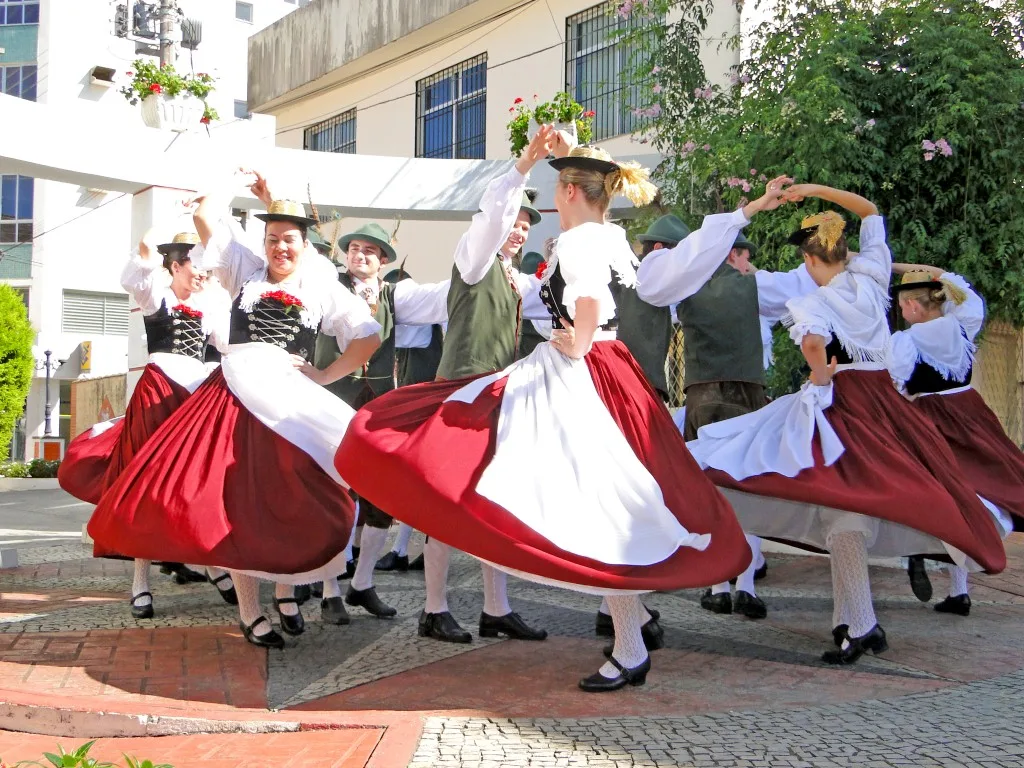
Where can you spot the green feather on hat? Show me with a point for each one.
(370, 233)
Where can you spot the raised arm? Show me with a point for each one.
(139, 276)
(421, 304)
(970, 312)
(859, 206)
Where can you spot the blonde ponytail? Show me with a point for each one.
(633, 182)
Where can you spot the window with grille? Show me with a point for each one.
(19, 12)
(596, 63)
(337, 134)
(451, 111)
(16, 209)
(19, 80)
(102, 314)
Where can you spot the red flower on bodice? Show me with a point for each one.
(187, 311)
(283, 298)
(540, 270)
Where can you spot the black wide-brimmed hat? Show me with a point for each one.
(588, 158)
(182, 242)
(287, 210)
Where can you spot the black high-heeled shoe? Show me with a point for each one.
(293, 625)
(229, 595)
(873, 641)
(142, 611)
(840, 633)
(598, 683)
(270, 640)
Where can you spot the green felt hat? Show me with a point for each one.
(371, 233)
(317, 241)
(668, 229)
(530, 262)
(742, 242)
(528, 207)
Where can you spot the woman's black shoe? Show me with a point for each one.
(604, 627)
(417, 564)
(749, 605)
(142, 611)
(393, 561)
(761, 572)
(920, 584)
(511, 625)
(270, 640)
(332, 611)
(293, 625)
(367, 598)
(443, 627)
(598, 683)
(873, 641)
(960, 605)
(229, 595)
(720, 603)
(185, 575)
(652, 633)
(302, 594)
(317, 590)
(840, 633)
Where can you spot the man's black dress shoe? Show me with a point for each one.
(393, 561)
(604, 627)
(598, 683)
(720, 603)
(920, 584)
(142, 611)
(332, 611)
(749, 605)
(270, 640)
(511, 625)
(960, 605)
(652, 633)
(443, 627)
(367, 598)
(350, 571)
(293, 625)
(417, 564)
(856, 647)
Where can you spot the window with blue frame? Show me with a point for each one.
(451, 111)
(337, 134)
(16, 209)
(19, 80)
(19, 12)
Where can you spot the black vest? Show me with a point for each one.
(835, 349)
(175, 333)
(926, 379)
(269, 322)
(551, 296)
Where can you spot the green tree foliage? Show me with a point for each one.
(16, 363)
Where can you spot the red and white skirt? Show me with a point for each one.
(96, 458)
(993, 465)
(876, 465)
(559, 471)
(239, 477)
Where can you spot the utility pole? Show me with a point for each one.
(169, 34)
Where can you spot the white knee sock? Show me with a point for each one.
(628, 618)
(401, 547)
(332, 588)
(719, 589)
(140, 582)
(248, 590)
(436, 557)
(286, 590)
(215, 573)
(850, 560)
(604, 607)
(495, 591)
(759, 560)
(348, 547)
(840, 614)
(357, 541)
(745, 581)
(957, 580)
(373, 542)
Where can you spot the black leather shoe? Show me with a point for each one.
(749, 605)
(355, 554)
(302, 593)
(761, 572)
(316, 590)
(270, 640)
(598, 683)
(229, 595)
(652, 633)
(350, 571)
(417, 564)
(443, 627)
(293, 625)
(142, 611)
(840, 633)
(919, 581)
(511, 625)
(393, 561)
(367, 598)
(185, 575)
(332, 611)
(720, 603)
(873, 641)
(604, 627)
(960, 605)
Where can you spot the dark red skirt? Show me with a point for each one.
(994, 466)
(92, 464)
(419, 459)
(895, 467)
(215, 486)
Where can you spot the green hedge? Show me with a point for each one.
(36, 468)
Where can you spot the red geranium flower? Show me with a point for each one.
(519, 100)
(285, 299)
(187, 311)
(589, 113)
(155, 88)
(204, 119)
(540, 270)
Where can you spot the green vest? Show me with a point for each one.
(529, 339)
(721, 330)
(380, 371)
(483, 325)
(646, 331)
(415, 365)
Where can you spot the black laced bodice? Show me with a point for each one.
(271, 323)
(175, 332)
(551, 296)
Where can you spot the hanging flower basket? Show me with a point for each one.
(564, 112)
(172, 113)
(170, 101)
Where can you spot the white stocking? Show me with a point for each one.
(140, 582)
(745, 581)
(348, 547)
(401, 547)
(840, 615)
(332, 588)
(436, 557)
(495, 591)
(372, 543)
(215, 573)
(719, 589)
(850, 562)
(957, 580)
(628, 617)
(604, 607)
(248, 590)
(282, 591)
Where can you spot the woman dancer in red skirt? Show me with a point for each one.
(614, 505)
(846, 465)
(242, 475)
(931, 364)
(179, 316)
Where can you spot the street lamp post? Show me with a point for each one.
(48, 408)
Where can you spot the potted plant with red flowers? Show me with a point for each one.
(563, 111)
(169, 99)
